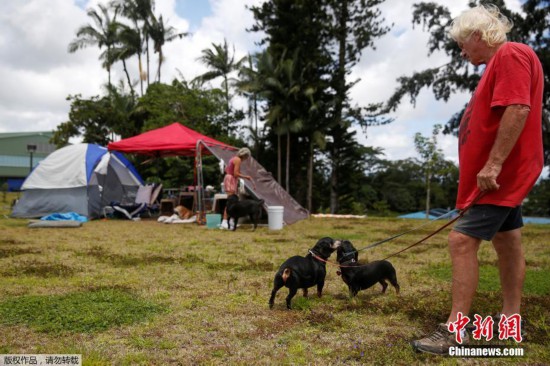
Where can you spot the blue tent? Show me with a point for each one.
(82, 178)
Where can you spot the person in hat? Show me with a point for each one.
(232, 176)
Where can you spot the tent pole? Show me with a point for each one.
(199, 188)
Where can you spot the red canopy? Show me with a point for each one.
(172, 140)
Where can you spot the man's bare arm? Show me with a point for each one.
(511, 126)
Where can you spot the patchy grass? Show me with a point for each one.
(126, 293)
(81, 312)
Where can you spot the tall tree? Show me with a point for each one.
(128, 45)
(329, 36)
(355, 24)
(103, 34)
(298, 26)
(531, 28)
(160, 34)
(221, 63)
(248, 85)
(430, 155)
(140, 13)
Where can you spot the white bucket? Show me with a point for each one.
(275, 217)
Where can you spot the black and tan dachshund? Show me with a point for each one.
(362, 276)
(304, 272)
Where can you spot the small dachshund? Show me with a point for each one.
(241, 208)
(304, 272)
(362, 276)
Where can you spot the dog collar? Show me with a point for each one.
(348, 262)
(316, 256)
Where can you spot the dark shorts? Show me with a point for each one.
(484, 221)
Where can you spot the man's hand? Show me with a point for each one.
(487, 177)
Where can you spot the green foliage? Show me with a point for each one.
(102, 34)
(195, 108)
(538, 201)
(530, 27)
(221, 64)
(97, 118)
(312, 45)
(381, 208)
(85, 312)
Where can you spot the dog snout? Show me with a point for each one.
(336, 244)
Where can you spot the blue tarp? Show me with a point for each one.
(66, 216)
(536, 220)
(434, 213)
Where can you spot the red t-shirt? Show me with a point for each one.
(512, 76)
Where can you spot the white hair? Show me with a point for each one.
(245, 151)
(487, 20)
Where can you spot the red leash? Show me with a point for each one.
(479, 195)
(474, 201)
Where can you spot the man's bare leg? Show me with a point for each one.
(463, 250)
(511, 265)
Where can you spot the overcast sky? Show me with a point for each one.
(37, 73)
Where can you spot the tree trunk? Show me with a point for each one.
(140, 74)
(279, 169)
(227, 107)
(428, 194)
(287, 175)
(339, 105)
(310, 177)
(128, 78)
(147, 52)
(160, 65)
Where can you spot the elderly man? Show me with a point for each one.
(501, 157)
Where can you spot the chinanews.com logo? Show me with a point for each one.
(508, 327)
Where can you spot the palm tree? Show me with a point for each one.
(160, 34)
(103, 34)
(129, 44)
(140, 13)
(248, 86)
(284, 87)
(221, 64)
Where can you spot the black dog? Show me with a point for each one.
(304, 272)
(362, 276)
(237, 209)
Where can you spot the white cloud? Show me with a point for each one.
(38, 73)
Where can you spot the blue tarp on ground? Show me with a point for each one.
(437, 212)
(434, 213)
(536, 220)
(64, 216)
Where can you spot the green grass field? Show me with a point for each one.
(127, 293)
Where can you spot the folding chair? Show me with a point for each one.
(147, 201)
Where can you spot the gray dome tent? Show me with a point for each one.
(80, 178)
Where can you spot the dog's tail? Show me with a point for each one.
(286, 274)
